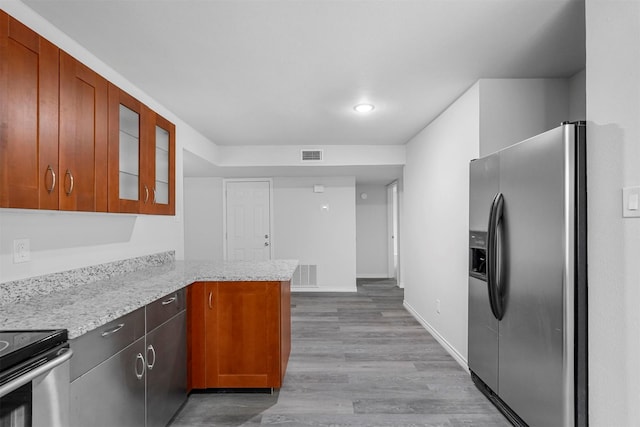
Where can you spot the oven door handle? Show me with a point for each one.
(31, 375)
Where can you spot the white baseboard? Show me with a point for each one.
(447, 346)
(323, 289)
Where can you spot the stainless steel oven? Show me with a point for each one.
(34, 378)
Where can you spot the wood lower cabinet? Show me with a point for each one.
(29, 172)
(239, 334)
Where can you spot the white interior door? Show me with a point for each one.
(248, 220)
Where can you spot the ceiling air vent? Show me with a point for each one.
(311, 155)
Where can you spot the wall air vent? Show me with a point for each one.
(311, 155)
(305, 276)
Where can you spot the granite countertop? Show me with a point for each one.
(82, 308)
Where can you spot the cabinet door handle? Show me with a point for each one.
(53, 178)
(153, 352)
(170, 300)
(154, 196)
(146, 194)
(70, 175)
(139, 357)
(112, 330)
(210, 299)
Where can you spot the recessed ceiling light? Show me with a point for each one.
(364, 108)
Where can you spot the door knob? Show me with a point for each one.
(266, 243)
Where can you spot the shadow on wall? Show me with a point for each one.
(48, 230)
(608, 236)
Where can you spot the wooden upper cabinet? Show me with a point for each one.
(141, 157)
(83, 137)
(126, 141)
(29, 174)
(158, 166)
(70, 140)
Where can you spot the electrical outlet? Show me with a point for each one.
(21, 251)
(438, 306)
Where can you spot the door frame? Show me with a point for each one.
(393, 229)
(224, 211)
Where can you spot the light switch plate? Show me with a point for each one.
(21, 251)
(631, 202)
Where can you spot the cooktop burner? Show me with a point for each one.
(19, 346)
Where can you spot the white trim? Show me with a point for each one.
(462, 361)
(373, 276)
(393, 230)
(224, 211)
(323, 289)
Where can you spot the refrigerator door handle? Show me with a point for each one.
(493, 264)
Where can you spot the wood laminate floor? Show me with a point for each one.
(356, 360)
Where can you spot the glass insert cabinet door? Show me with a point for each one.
(161, 194)
(141, 160)
(129, 158)
(161, 167)
(126, 148)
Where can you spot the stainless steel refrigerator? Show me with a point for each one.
(527, 278)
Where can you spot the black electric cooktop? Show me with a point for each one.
(16, 347)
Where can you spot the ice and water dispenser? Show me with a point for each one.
(478, 254)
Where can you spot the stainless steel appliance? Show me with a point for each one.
(527, 278)
(34, 378)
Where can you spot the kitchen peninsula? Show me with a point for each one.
(84, 299)
(145, 331)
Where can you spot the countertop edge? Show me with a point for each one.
(83, 308)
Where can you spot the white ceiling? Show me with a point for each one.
(274, 72)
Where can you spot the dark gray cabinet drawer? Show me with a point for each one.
(165, 308)
(96, 346)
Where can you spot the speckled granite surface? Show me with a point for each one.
(22, 290)
(87, 306)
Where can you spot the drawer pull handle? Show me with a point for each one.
(113, 330)
(139, 357)
(153, 351)
(146, 194)
(210, 299)
(53, 179)
(154, 196)
(170, 300)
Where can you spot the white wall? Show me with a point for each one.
(613, 155)
(435, 220)
(304, 230)
(289, 155)
(62, 241)
(493, 114)
(203, 213)
(372, 234)
(578, 96)
(512, 110)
